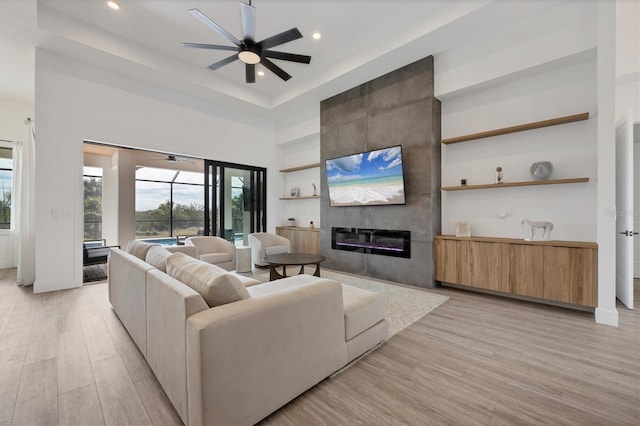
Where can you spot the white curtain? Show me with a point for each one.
(24, 205)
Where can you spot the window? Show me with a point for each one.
(6, 184)
(92, 203)
(169, 203)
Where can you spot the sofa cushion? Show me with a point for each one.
(190, 250)
(283, 284)
(362, 309)
(139, 248)
(215, 285)
(216, 257)
(275, 250)
(157, 257)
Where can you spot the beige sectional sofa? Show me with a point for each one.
(237, 362)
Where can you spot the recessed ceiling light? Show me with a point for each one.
(113, 5)
(261, 73)
(316, 36)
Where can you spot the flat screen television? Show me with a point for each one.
(369, 178)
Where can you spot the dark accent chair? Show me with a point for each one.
(95, 252)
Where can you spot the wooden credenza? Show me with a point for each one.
(303, 240)
(561, 271)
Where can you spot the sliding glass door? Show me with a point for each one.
(235, 202)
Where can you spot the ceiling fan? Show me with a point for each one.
(172, 159)
(248, 50)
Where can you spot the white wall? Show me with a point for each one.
(570, 148)
(72, 109)
(636, 199)
(628, 58)
(298, 153)
(541, 67)
(628, 91)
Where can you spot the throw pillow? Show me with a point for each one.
(157, 257)
(139, 248)
(215, 285)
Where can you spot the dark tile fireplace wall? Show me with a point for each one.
(397, 108)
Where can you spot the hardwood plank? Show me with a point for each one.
(37, 401)
(120, 401)
(68, 318)
(134, 360)
(519, 128)
(475, 359)
(43, 338)
(21, 315)
(99, 341)
(13, 337)
(74, 366)
(80, 407)
(11, 361)
(156, 403)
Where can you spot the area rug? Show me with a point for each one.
(94, 274)
(404, 305)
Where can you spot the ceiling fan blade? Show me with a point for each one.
(208, 22)
(248, 21)
(304, 59)
(278, 39)
(223, 62)
(275, 69)
(208, 46)
(250, 70)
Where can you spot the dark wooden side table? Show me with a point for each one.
(292, 259)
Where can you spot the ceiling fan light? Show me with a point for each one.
(249, 57)
(113, 5)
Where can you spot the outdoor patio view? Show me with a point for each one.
(169, 204)
(6, 182)
(92, 203)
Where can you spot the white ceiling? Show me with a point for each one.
(361, 40)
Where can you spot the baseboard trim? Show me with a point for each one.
(607, 317)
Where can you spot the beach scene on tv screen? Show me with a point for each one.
(368, 178)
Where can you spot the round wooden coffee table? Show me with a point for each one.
(292, 259)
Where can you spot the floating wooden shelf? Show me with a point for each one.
(509, 184)
(297, 169)
(300, 198)
(519, 128)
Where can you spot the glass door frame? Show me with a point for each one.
(257, 198)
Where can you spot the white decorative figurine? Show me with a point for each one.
(546, 227)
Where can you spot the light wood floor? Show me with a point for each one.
(478, 359)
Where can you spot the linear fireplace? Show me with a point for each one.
(372, 241)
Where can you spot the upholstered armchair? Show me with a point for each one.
(263, 243)
(214, 250)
